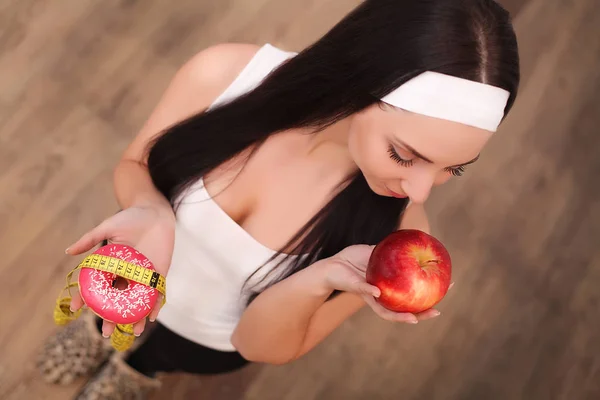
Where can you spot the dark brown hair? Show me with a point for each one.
(375, 48)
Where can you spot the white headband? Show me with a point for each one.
(451, 98)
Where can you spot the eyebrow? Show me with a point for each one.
(421, 156)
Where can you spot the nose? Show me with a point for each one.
(418, 186)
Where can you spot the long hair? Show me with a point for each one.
(374, 49)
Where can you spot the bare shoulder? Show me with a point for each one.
(215, 67)
(194, 87)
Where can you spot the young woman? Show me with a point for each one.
(263, 178)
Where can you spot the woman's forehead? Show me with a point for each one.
(442, 141)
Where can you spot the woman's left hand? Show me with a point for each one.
(346, 272)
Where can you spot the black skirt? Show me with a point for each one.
(162, 350)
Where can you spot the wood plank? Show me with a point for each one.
(522, 224)
(45, 178)
(36, 277)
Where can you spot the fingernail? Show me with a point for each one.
(413, 321)
(104, 336)
(67, 251)
(152, 319)
(136, 334)
(450, 287)
(436, 313)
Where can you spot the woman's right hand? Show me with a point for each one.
(148, 229)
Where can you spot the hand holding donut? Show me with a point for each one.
(150, 230)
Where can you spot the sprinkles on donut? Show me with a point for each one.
(112, 297)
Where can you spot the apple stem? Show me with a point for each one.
(432, 262)
(431, 266)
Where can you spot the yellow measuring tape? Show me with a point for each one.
(122, 337)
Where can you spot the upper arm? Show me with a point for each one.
(192, 89)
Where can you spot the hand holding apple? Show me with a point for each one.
(346, 271)
(412, 269)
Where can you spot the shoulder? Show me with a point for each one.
(215, 67)
(195, 85)
(221, 60)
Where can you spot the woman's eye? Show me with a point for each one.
(396, 157)
(456, 171)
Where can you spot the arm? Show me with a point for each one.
(294, 316)
(147, 221)
(333, 313)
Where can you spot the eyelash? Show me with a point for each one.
(394, 156)
(456, 171)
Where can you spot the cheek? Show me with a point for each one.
(442, 178)
(368, 150)
(359, 146)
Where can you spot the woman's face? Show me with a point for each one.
(403, 154)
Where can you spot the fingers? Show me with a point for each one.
(368, 290)
(399, 317)
(156, 310)
(390, 315)
(107, 328)
(427, 314)
(76, 302)
(89, 240)
(138, 327)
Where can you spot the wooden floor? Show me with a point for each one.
(78, 78)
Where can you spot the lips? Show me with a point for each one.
(394, 194)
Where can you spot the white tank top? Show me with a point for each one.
(213, 255)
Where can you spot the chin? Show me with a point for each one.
(378, 189)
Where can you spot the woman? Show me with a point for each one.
(263, 178)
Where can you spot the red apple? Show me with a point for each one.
(412, 269)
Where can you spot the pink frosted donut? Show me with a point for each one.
(128, 302)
